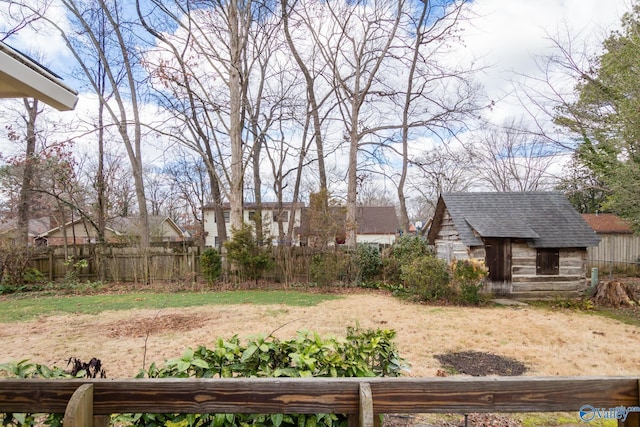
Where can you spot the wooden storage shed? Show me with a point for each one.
(534, 243)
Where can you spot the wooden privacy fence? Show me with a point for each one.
(615, 252)
(90, 402)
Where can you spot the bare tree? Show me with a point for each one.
(17, 18)
(294, 11)
(438, 97)
(190, 180)
(211, 56)
(353, 42)
(32, 111)
(100, 33)
(441, 170)
(510, 158)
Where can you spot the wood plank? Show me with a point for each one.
(79, 411)
(549, 289)
(366, 406)
(549, 279)
(633, 418)
(500, 394)
(101, 420)
(323, 395)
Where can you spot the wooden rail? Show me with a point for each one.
(86, 402)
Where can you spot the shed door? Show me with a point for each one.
(498, 259)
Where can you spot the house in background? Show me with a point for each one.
(8, 227)
(23, 77)
(271, 212)
(619, 247)
(534, 244)
(117, 230)
(376, 225)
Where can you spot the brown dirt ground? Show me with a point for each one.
(559, 342)
(547, 342)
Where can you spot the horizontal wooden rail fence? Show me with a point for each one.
(85, 402)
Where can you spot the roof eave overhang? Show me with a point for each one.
(23, 78)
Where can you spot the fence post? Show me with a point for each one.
(79, 412)
(365, 414)
(52, 263)
(633, 418)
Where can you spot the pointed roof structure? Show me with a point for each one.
(544, 219)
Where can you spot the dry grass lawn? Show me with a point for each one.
(550, 343)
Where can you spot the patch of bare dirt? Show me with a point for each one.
(480, 364)
(146, 326)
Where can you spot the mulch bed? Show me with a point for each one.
(479, 364)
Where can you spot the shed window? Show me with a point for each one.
(548, 262)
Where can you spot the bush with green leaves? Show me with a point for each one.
(368, 262)
(408, 247)
(244, 253)
(428, 278)
(363, 353)
(328, 267)
(210, 265)
(405, 249)
(468, 276)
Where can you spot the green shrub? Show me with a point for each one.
(364, 353)
(468, 276)
(210, 265)
(329, 267)
(428, 278)
(407, 248)
(244, 253)
(368, 262)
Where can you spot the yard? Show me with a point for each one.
(548, 341)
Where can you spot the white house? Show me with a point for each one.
(271, 211)
(22, 77)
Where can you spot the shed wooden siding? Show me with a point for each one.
(570, 281)
(448, 244)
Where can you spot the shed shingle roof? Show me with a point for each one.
(545, 219)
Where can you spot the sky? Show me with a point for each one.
(503, 35)
(508, 34)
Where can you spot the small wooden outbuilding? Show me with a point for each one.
(533, 243)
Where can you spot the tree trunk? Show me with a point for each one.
(22, 238)
(235, 128)
(311, 94)
(351, 226)
(615, 293)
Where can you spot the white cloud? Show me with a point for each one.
(507, 35)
